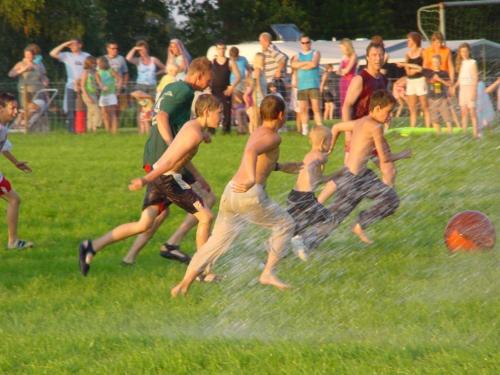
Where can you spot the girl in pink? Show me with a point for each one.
(347, 68)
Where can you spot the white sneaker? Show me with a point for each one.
(299, 248)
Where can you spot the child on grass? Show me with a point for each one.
(245, 201)
(88, 85)
(438, 81)
(8, 112)
(165, 184)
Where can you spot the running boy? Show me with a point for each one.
(166, 185)
(8, 112)
(245, 201)
(313, 220)
(356, 181)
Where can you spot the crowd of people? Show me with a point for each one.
(429, 82)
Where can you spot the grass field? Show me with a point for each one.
(401, 306)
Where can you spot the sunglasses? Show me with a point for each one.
(308, 42)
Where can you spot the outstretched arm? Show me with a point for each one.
(57, 50)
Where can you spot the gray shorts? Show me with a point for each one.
(439, 107)
(308, 94)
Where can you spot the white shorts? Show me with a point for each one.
(416, 86)
(107, 100)
(466, 95)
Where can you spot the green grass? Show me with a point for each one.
(401, 306)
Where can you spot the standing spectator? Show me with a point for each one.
(146, 71)
(222, 89)
(363, 85)
(147, 67)
(238, 104)
(274, 62)
(178, 54)
(347, 68)
(327, 90)
(439, 81)
(255, 92)
(89, 89)
(416, 85)
(306, 63)
(73, 61)
(109, 82)
(467, 81)
(438, 47)
(118, 64)
(31, 76)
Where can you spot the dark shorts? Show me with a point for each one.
(166, 190)
(308, 94)
(305, 209)
(352, 189)
(328, 97)
(186, 175)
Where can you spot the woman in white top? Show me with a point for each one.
(147, 67)
(178, 54)
(467, 86)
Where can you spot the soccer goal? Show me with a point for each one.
(458, 20)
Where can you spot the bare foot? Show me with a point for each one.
(357, 230)
(209, 278)
(271, 279)
(178, 290)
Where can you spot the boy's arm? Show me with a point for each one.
(181, 147)
(22, 165)
(346, 126)
(384, 154)
(163, 124)
(292, 167)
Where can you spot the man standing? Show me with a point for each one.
(274, 62)
(306, 63)
(222, 88)
(73, 62)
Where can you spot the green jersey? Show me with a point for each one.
(175, 99)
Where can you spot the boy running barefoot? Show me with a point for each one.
(245, 201)
(8, 112)
(313, 220)
(165, 184)
(356, 181)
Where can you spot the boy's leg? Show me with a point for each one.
(226, 228)
(13, 203)
(269, 214)
(143, 238)
(386, 203)
(123, 231)
(190, 221)
(328, 190)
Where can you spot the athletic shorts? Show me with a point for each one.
(168, 189)
(308, 94)
(186, 175)
(305, 209)
(5, 186)
(416, 86)
(466, 96)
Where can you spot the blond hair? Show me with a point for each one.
(347, 43)
(206, 102)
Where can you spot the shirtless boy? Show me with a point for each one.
(245, 201)
(313, 220)
(165, 184)
(356, 181)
